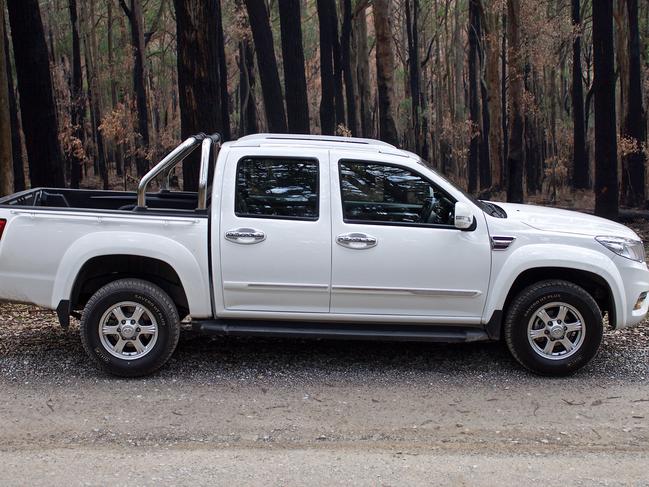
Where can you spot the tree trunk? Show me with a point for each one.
(475, 114)
(77, 102)
(492, 80)
(580, 159)
(6, 159)
(385, 72)
(349, 71)
(247, 105)
(37, 107)
(606, 177)
(134, 14)
(267, 63)
(223, 75)
(363, 72)
(297, 103)
(198, 76)
(327, 100)
(634, 126)
(414, 70)
(515, 156)
(16, 142)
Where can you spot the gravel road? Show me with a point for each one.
(285, 412)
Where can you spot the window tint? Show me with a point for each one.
(373, 192)
(277, 188)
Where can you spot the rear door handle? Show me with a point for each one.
(245, 236)
(357, 241)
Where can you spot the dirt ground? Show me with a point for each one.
(291, 412)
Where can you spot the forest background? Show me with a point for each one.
(520, 100)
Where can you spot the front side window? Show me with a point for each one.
(277, 188)
(382, 193)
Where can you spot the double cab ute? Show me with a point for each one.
(314, 236)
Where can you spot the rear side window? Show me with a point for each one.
(277, 188)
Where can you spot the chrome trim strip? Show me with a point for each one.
(410, 291)
(165, 220)
(275, 286)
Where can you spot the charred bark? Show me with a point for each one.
(38, 111)
(297, 103)
(198, 76)
(267, 64)
(606, 177)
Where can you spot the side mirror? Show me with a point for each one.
(463, 216)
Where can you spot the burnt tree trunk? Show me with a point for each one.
(606, 177)
(6, 160)
(351, 93)
(635, 122)
(134, 15)
(38, 111)
(327, 100)
(516, 151)
(414, 70)
(16, 142)
(198, 76)
(77, 108)
(267, 63)
(363, 72)
(580, 158)
(385, 68)
(247, 105)
(297, 103)
(223, 75)
(475, 113)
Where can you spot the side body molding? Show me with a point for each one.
(192, 270)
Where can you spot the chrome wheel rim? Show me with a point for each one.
(128, 330)
(556, 330)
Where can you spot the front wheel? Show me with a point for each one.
(553, 327)
(130, 327)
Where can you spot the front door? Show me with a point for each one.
(395, 249)
(276, 232)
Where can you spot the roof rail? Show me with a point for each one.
(312, 138)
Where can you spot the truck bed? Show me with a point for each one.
(83, 199)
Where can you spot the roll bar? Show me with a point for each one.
(174, 158)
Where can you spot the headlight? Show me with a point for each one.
(625, 247)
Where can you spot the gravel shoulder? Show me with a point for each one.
(286, 412)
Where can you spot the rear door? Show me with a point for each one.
(395, 248)
(276, 231)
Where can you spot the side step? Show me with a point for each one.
(346, 331)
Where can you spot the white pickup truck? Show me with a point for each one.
(311, 236)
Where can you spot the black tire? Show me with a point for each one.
(525, 306)
(156, 301)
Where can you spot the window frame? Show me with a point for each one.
(388, 223)
(279, 217)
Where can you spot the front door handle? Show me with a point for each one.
(245, 236)
(357, 241)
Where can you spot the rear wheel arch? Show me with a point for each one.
(98, 271)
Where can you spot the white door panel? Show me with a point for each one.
(396, 269)
(273, 263)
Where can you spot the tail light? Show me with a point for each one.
(2, 226)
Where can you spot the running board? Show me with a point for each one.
(348, 331)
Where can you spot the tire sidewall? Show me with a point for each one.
(592, 326)
(109, 361)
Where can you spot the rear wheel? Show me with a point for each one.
(553, 327)
(130, 327)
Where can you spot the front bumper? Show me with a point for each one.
(635, 276)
